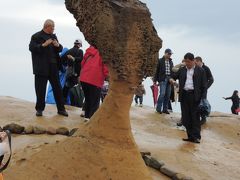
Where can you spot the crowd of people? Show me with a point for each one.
(87, 70)
(191, 78)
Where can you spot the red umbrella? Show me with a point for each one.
(154, 89)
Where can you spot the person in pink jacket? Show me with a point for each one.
(92, 76)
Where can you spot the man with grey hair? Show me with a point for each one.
(45, 49)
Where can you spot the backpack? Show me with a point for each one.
(76, 96)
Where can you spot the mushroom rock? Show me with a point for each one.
(123, 32)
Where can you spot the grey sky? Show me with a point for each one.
(206, 28)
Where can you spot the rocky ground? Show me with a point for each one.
(217, 157)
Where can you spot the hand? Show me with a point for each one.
(55, 43)
(3, 135)
(171, 81)
(47, 42)
(70, 57)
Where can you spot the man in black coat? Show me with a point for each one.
(73, 59)
(192, 88)
(45, 48)
(210, 80)
(162, 76)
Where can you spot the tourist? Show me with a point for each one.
(192, 88)
(162, 76)
(92, 77)
(45, 50)
(139, 92)
(73, 58)
(235, 102)
(205, 104)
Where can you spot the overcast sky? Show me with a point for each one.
(207, 28)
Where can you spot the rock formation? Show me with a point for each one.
(124, 34)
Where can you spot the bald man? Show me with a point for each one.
(45, 49)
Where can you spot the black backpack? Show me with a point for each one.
(76, 96)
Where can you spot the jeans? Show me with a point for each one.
(140, 99)
(164, 96)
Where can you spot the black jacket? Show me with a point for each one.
(235, 101)
(199, 82)
(41, 56)
(76, 64)
(160, 74)
(209, 75)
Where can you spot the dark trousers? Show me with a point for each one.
(41, 85)
(92, 98)
(65, 93)
(140, 99)
(70, 82)
(190, 115)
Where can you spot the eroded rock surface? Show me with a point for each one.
(123, 33)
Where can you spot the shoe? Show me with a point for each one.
(63, 113)
(160, 112)
(140, 105)
(187, 139)
(181, 128)
(166, 112)
(86, 120)
(83, 114)
(179, 123)
(197, 141)
(203, 121)
(39, 113)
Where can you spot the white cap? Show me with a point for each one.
(78, 41)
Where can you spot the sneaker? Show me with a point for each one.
(181, 128)
(86, 120)
(63, 113)
(82, 114)
(39, 113)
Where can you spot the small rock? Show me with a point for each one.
(178, 176)
(168, 172)
(145, 153)
(156, 164)
(187, 178)
(39, 130)
(63, 131)
(28, 130)
(51, 131)
(147, 160)
(14, 128)
(71, 133)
